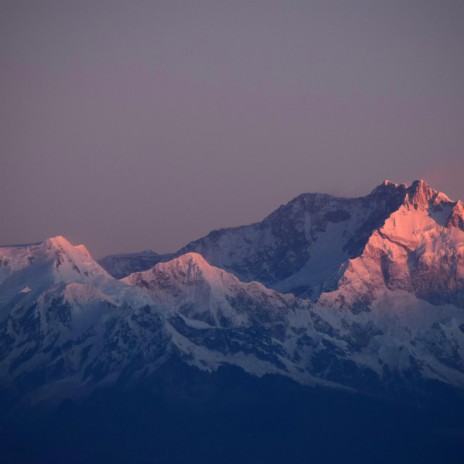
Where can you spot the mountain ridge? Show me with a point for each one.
(304, 245)
(390, 315)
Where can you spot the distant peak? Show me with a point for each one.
(63, 244)
(420, 195)
(387, 183)
(191, 263)
(192, 258)
(387, 186)
(189, 267)
(57, 241)
(421, 185)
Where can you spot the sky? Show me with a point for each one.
(132, 125)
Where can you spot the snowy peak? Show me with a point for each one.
(419, 249)
(188, 261)
(57, 242)
(70, 262)
(75, 255)
(188, 269)
(55, 260)
(190, 286)
(193, 266)
(61, 243)
(399, 236)
(421, 196)
(389, 188)
(418, 195)
(300, 247)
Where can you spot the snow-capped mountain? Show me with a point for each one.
(27, 270)
(195, 289)
(345, 251)
(386, 271)
(263, 331)
(418, 249)
(61, 314)
(300, 247)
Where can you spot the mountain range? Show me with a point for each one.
(311, 245)
(358, 296)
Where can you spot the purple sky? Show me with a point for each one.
(129, 125)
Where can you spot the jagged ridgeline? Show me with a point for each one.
(353, 302)
(397, 237)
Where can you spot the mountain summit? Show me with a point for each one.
(28, 270)
(341, 251)
(307, 246)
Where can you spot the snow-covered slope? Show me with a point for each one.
(200, 291)
(65, 321)
(59, 260)
(27, 270)
(215, 319)
(263, 331)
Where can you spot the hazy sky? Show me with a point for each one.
(129, 125)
